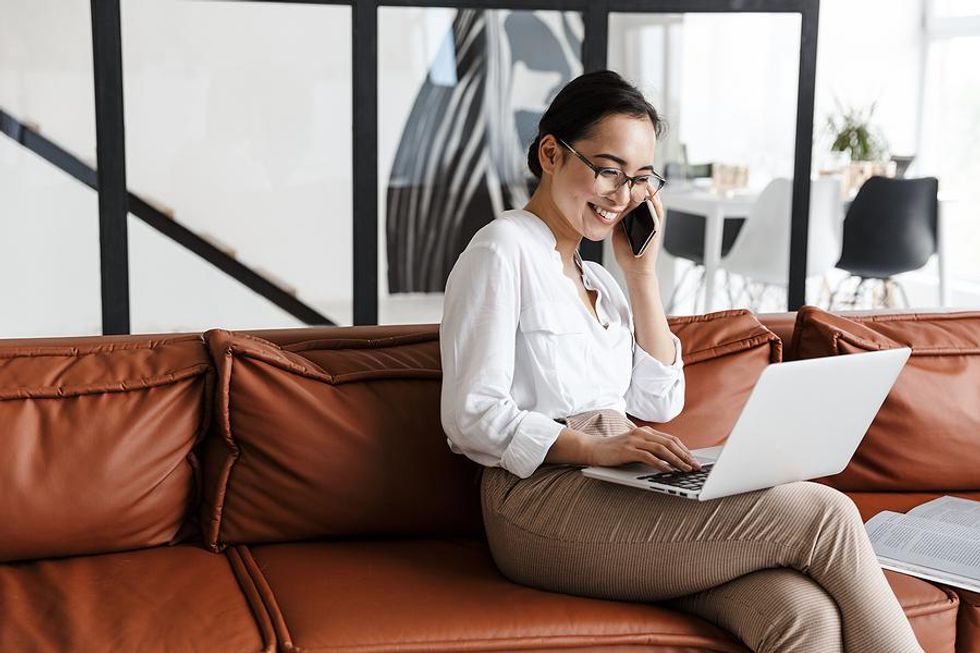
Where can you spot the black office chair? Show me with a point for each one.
(684, 238)
(890, 228)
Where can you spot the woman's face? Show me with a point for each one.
(617, 141)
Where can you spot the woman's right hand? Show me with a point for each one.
(642, 445)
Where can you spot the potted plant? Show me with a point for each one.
(853, 134)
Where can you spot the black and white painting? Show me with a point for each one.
(461, 157)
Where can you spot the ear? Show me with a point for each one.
(549, 153)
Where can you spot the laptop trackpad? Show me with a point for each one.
(708, 454)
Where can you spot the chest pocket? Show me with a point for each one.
(558, 342)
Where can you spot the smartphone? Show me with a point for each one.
(640, 225)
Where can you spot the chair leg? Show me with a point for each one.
(699, 288)
(824, 291)
(857, 292)
(834, 293)
(728, 289)
(677, 286)
(905, 297)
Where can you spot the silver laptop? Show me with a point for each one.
(803, 419)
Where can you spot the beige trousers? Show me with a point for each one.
(785, 569)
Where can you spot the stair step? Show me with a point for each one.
(219, 244)
(274, 279)
(159, 206)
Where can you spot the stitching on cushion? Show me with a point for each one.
(339, 379)
(41, 351)
(734, 347)
(126, 385)
(361, 343)
(917, 351)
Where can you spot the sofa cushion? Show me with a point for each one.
(926, 437)
(358, 596)
(179, 598)
(968, 622)
(97, 439)
(332, 437)
(724, 354)
(447, 595)
(931, 611)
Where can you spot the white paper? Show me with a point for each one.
(929, 574)
(939, 546)
(952, 510)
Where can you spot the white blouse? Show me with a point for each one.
(519, 348)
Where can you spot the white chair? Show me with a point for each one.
(760, 254)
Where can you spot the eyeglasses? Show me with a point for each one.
(610, 180)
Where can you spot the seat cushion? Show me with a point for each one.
(332, 436)
(968, 618)
(926, 437)
(98, 437)
(968, 622)
(724, 354)
(931, 611)
(179, 598)
(447, 595)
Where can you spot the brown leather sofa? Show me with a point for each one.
(292, 489)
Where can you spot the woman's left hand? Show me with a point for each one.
(646, 263)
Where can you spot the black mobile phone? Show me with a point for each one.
(640, 225)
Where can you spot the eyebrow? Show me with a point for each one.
(621, 162)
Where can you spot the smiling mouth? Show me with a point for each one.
(609, 217)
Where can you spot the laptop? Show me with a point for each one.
(803, 419)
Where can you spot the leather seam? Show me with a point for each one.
(253, 598)
(268, 598)
(570, 642)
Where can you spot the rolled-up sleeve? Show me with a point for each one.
(477, 339)
(656, 390)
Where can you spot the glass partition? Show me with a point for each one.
(238, 124)
(460, 96)
(49, 222)
(49, 227)
(727, 87)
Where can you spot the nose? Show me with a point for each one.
(623, 193)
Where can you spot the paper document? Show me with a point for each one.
(939, 540)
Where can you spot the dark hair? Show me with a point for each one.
(582, 103)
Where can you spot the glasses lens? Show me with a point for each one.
(650, 188)
(608, 181)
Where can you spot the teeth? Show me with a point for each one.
(608, 215)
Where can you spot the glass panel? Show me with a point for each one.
(46, 70)
(726, 85)
(460, 96)
(950, 142)
(49, 225)
(955, 7)
(238, 120)
(868, 91)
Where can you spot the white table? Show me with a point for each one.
(717, 207)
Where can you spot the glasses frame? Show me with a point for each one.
(632, 181)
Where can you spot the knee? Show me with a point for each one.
(802, 616)
(823, 502)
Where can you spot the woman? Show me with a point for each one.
(543, 357)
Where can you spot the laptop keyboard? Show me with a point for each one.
(692, 481)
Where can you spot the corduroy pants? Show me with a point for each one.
(784, 569)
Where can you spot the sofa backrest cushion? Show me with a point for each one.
(331, 437)
(724, 354)
(96, 442)
(926, 436)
